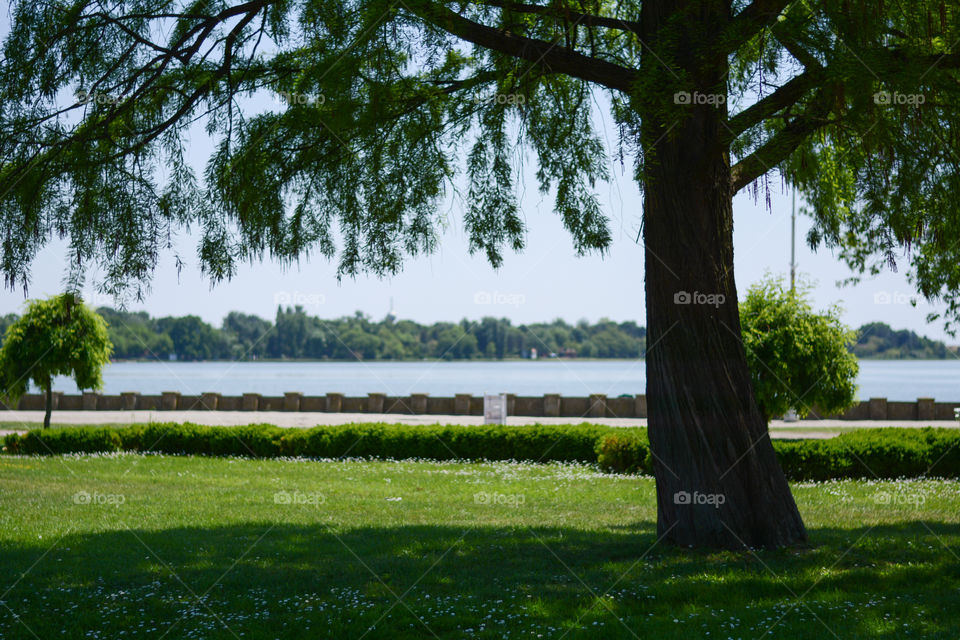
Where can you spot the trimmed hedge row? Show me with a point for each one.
(884, 453)
(874, 453)
(566, 443)
(866, 453)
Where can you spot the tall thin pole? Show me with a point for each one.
(793, 241)
(791, 414)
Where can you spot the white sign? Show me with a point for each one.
(495, 409)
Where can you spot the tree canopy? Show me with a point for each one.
(59, 336)
(378, 104)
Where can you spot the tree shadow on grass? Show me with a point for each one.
(260, 580)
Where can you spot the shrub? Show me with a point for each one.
(566, 443)
(869, 453)
(79, 440)
(793, 349)
(624, 454)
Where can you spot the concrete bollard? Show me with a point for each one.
(598, 405)
(334, 402)
(418, 403)
(878, 408)
(250, 402)
(169, 400)
(128, 400)
(89, 402)
(551, 405)
(209, 400)
(375, 402)
(291, 400)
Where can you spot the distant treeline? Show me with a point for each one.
(878, 340)
(296, 335)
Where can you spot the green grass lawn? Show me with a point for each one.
(178, 547)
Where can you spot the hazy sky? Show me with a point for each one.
(546, 281)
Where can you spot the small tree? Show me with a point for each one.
(797, 357)
(57, 336)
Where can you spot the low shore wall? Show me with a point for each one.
(549, 405)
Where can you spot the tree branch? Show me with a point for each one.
(576, 17)
(781, 33)
(779, 147)
(757, 16)
(550, 55)
(888, 62)
(784, 97)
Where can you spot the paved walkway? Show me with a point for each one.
(23, 420)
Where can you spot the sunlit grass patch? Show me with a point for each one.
(122, 545)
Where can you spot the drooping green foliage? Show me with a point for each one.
(339, 126)
(368, 104)
(345, 146)
(59, 336)
(798, 358)
(879, 162)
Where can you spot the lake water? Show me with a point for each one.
(895, 380)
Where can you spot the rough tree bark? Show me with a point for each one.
(718, 480)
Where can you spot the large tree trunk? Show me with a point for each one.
(718, 480)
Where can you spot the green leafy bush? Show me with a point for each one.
(798, 357)
(624, 454)
(79, 440)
